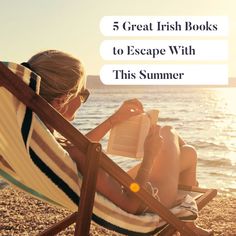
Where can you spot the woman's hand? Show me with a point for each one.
(128, 109)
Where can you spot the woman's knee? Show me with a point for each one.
(189, 152)
(167, 132)
(166, 129)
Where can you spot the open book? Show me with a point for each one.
(127, 138)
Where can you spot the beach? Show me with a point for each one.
(209, 126)
(20, 214)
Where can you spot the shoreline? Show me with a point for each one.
(23, 215)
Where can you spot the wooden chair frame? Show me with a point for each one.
(95, 159)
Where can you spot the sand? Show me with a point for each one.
(21, 214)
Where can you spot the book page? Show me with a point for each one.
(127, 139)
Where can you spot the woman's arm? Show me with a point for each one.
(100, 131)
(128, 109)
(152, 148)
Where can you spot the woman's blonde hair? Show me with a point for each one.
(61, 74)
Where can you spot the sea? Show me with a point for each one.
(204, 117)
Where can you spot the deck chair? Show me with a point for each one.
(31, 159)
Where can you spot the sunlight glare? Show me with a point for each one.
(227, 98)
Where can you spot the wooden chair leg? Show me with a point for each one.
(167, 231)
(59, 226)
(88, 189)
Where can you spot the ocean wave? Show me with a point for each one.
(215, 162)
(204, 144)
(167, 119)
(221, 174)
(215, 117)
(227, 191)
(183, 110)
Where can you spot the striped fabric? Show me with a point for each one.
(32, 159)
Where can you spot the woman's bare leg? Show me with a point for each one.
(165, 171)
(188, 165)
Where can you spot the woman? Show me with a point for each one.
(167, 161)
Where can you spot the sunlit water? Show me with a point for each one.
(204, 117)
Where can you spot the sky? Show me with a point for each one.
(30, 26)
